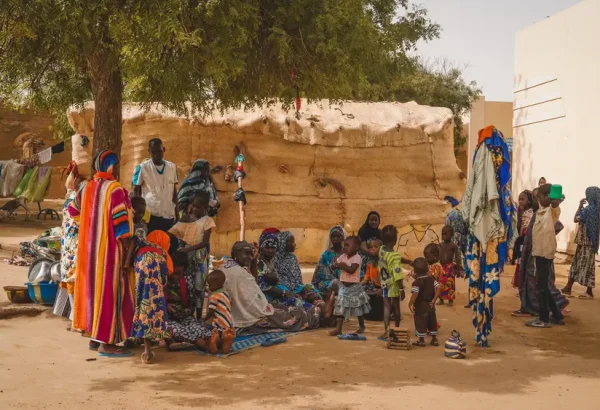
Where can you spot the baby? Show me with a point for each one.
(425, 291)
(219, 314)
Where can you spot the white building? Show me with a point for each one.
(556, 104)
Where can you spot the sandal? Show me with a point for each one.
(93, 345)
(147, 359)
(585, 296)
(538, 323)
(120, 352)
(434, 343)
(520, 313)
(352, 336)
(419, 344)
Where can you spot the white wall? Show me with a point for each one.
(556, 103)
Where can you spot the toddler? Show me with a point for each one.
(372, 280)
(425, 291)
(351, 299)
(451, 265)
(140, 228)
(194, 229)
(219, 314)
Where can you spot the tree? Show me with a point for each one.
(197, 55)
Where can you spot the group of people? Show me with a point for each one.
(135, 265)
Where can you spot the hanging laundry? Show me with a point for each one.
(43, 182)
(32, 184)
(12, 174)
(20, 189)
(58, 148)
(45, 155)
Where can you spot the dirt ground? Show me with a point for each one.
(44, 366)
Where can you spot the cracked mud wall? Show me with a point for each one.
(395, 158)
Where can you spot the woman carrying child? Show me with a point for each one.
(289, 272)
(352, 299)
(267, 278)
(195, 229)
(583, 268)
(326, 276)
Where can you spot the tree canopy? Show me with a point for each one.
(195, 54)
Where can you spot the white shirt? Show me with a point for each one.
(157, 187)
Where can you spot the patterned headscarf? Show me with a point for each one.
(105, 161)
(589, 215)
(286, 264)
(162, 240)
(269, 238)
(194, 183)
(336, 229)
(238, 246)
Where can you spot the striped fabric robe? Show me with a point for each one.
(104, 298)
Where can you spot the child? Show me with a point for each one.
(432, 254)
(195, 229)
(425, 291)
(140, 228)
(352, 299)
(525, 213)
(451, 264)
(544, 249)
(583, 269)
(391, 274)
(219, 314)
(372, 280)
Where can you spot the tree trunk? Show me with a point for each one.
(107, 88)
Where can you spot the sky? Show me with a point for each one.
(479, 36)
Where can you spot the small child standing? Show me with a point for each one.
(425, 291)
(219, 314)
(372, 279)
(140, 228)
(351, 299)
(392, 276)
(432, 254)
(544, 249)
(195, 229)
(451, 264)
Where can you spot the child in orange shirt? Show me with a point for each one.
(372, 279)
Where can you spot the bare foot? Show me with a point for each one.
(228, 338)
(212, 345)
(360, 330)
(148, 358)
(334, 332)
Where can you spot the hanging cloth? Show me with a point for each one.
(45, 156)
(31, 184)
(43, 184)
(58, 148)
(23, 184)
(11, 175)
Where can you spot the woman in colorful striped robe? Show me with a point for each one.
(104, 296)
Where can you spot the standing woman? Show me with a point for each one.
(583, 269)
(370, 230)
(103, 299)
(198, 180)
(68, 247)
(326, 276)
(152, 265)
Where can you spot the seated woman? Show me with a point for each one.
(326, 276)
(267, 278)
(252, 313)
(181, 304)
(289, 273)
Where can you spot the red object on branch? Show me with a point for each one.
(298, 103)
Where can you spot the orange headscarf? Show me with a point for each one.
(162, 240)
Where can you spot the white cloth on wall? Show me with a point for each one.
(12, 173)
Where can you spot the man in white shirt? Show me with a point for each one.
(156, 180)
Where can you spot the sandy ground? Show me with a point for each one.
(44, 366)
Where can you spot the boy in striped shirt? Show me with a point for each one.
(219, 314)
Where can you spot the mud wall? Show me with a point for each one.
(395, 158)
